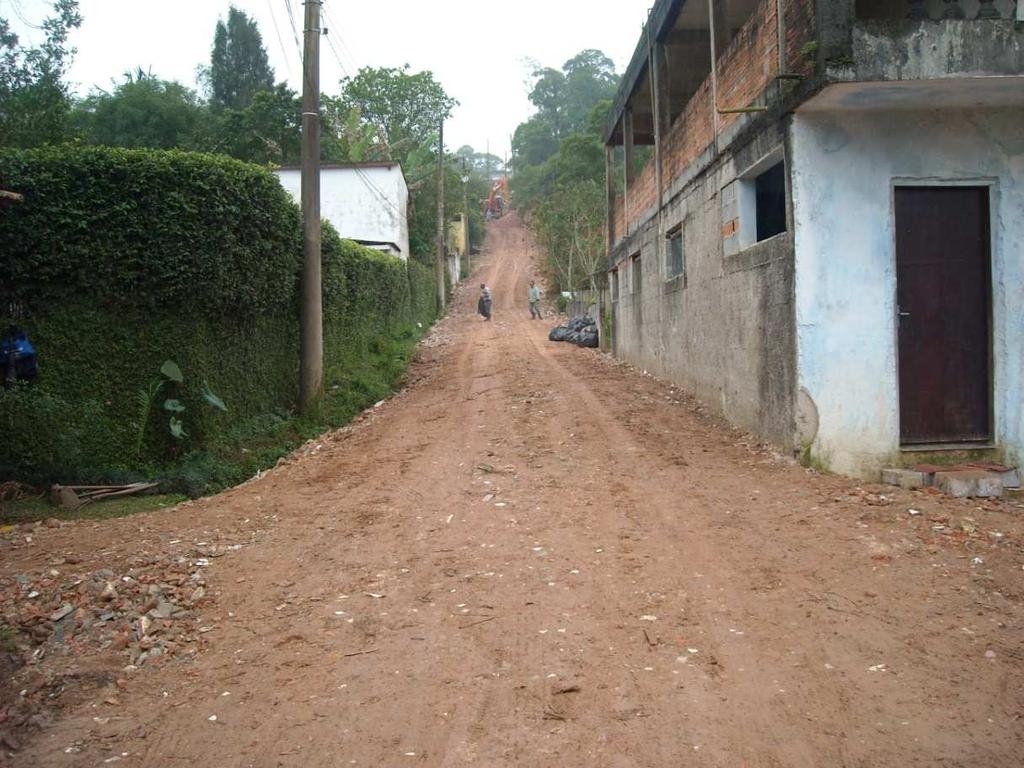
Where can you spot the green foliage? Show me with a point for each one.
(146, 229)
(142, 112)
(145, 399)
(560, 161)
(267, 130)
(171, 371)
(224, 245)
(238, 65)
(404, 108)
(34, 99)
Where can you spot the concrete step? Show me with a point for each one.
(962, 483)
(972, 479)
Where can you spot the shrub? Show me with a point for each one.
(122, 259)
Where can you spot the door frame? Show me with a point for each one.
(991, 183)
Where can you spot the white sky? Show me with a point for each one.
(480, 59)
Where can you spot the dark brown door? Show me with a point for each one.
(943, 294)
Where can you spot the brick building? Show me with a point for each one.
(827, 243)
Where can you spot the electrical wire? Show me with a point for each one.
(375, 190)
(280, 40)
(295, 29)
(337, 56)
(331, 25)
(16, 7)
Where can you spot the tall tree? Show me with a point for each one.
(404, 108)
(34, 100)
(239, 68)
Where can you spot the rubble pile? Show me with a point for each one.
(58, 619)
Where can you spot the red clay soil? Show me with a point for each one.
(536, 556)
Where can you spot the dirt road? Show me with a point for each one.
(535, 556)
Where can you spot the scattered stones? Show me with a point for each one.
(141, 608)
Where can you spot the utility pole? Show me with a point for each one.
(465, 218)
(311, 326)
(439, 265)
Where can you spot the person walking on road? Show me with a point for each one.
(484, 305)
(534, 301)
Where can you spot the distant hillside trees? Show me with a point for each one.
(558, 154)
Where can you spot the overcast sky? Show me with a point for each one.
(481, 53)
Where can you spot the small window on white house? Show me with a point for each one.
(615, 284)
(770, 200)
(675, 258)
(637, 276)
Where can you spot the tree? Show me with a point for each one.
(559, 157)
(564, 98)
(143, 111)
(483, 162)
(589, 79)
(239, 68)
(534, 141)
(403, 108)
(34, 100)
(269, 130)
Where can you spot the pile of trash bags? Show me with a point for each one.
(580, 330)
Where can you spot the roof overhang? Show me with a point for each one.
(659, 24)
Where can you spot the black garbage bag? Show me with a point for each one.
(588, 337)
(573, 337)
(558, 333)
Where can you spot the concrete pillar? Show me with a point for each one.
(835, 29)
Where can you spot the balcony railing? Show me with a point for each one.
(921, 10)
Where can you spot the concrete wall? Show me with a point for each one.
(725, 332)
(843, 168)
(367, 203)
(934, 49)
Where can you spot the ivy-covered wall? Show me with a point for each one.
(118, 260)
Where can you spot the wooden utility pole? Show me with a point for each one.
(465, 219)
(439, 265)
(311, 328)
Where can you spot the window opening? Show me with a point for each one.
(675, 260)
(770, 201)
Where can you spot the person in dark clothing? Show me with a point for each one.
(484, 305)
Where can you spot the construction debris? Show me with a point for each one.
(74, 496)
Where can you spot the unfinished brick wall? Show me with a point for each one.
(746, 69)
(619, 217)
(690, 135)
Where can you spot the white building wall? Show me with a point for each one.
(844, 165)
(363, 203)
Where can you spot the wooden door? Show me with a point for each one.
(943, 292)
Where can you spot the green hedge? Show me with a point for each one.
(122, 259)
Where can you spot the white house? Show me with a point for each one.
(366, 202)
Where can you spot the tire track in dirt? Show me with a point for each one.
(428, 586)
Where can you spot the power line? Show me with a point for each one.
(337, 57)
(295, 29)
(16, 6)
(280, 40)
(375, 190)
(341, 42)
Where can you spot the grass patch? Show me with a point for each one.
(39, 508)
(8, 640)
(352, 383)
